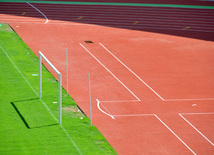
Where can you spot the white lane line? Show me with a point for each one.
(133, 115)
(41, 100)
(197, 99)
(132, 72)
(174, 134)
(121, 101)
(206, 113)
(109, 71)
(38, 11)
(196, 129)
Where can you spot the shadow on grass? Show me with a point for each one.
(23, 118)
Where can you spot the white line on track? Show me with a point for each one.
(196, 129)
(121, 101)
(109, 71)
(132, 72)
(40, 99)
(133, 115)
(98, 105)
(196, 99)
(174, 134)
(38, 11)
(205, 113)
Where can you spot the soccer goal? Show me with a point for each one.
(41, 56)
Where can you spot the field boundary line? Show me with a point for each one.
(41, 99)
(38, 11)
(174, 134)
(196, 129)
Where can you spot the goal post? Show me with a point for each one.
(41, 56)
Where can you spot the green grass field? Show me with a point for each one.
(29, 125)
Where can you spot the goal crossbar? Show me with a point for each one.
(60, 82)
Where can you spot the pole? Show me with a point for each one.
(89, 86)
(60, 99)
(67, 69)
(40, 76)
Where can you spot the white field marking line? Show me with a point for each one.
(206, 113)
(199, 99)
(174, 134)
(40, 99)
(133, 115)
(138, 14)
(110, 72)
(98, 105)
(197, 130)
(121, 101)
(38, 11)
(132, 72)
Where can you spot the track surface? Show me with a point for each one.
(151, 93)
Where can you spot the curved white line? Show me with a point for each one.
(98, 105)
(38, 11)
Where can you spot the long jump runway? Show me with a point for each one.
(151, 93)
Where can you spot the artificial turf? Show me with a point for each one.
(29, 125)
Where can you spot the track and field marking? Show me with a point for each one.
(185, 28)
(206, 113)
(196, 99)
(196, 129)
(135, 22)
(132, 72)
(174, 134)
(39, 12)
(133, 115)
(80, 18)
(41, 99)
(121, 101)
(110, 72)
(98, 105)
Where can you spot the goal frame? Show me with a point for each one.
(41, 56)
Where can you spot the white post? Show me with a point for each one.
(60, 99)
(40, 76)
(67, 69)
(89, 86)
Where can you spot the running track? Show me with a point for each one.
(135, 105)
